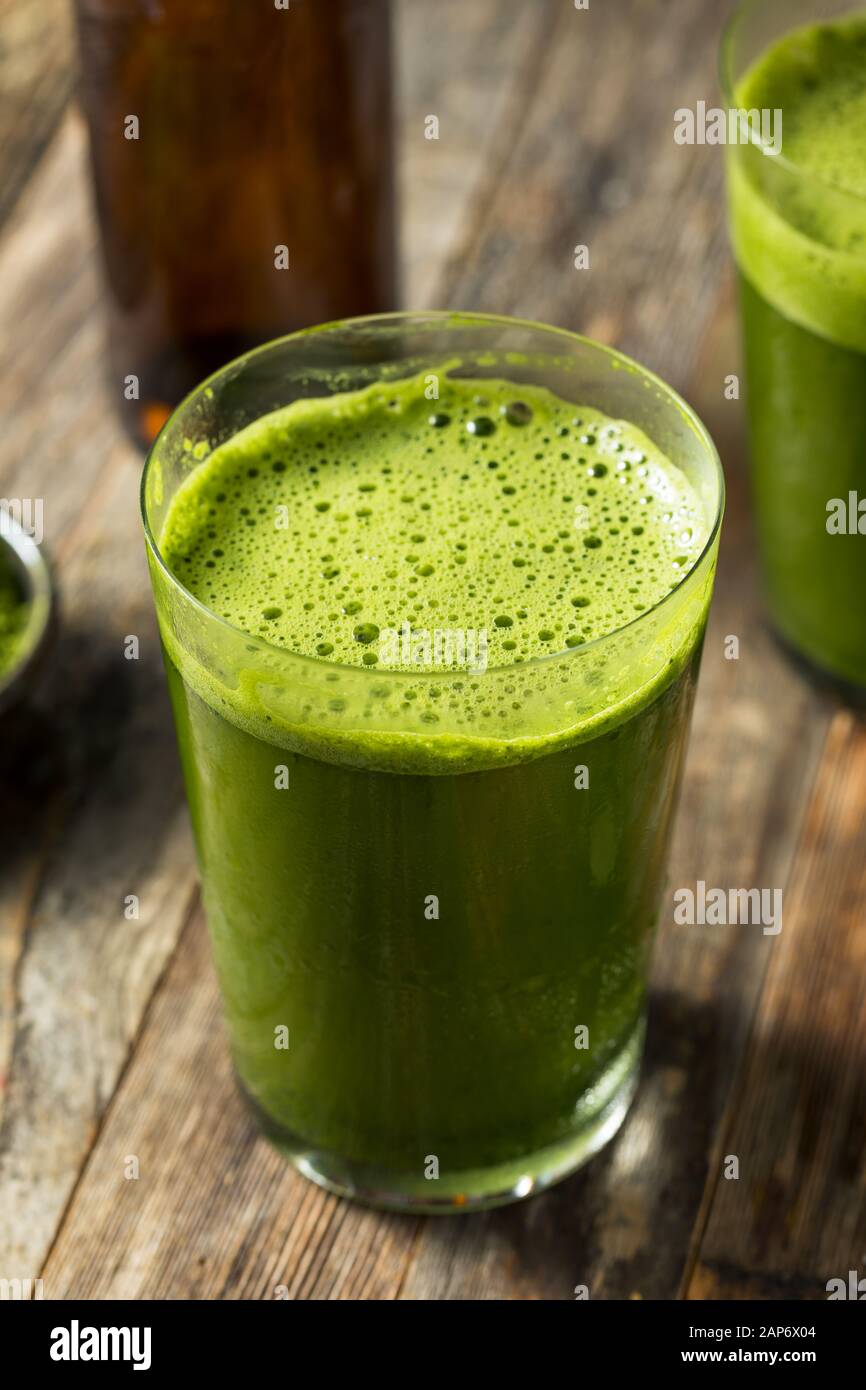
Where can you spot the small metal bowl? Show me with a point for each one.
(22, 556)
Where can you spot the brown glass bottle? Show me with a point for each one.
(221, 132)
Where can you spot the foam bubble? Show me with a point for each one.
(327, 525)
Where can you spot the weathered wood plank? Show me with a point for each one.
(37, 73)
(85, 971)
(214, 1212)
(592, 161)
(474, 68)
(796, 1215)
(101, 815)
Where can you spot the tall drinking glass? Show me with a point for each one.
(798, 226)
(431, 893)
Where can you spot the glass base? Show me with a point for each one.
(597, 1119)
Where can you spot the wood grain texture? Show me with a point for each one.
(474, 68)
(36, 81)
(591, 160)
(97, 813)
(214, 1213)
(795, 1217)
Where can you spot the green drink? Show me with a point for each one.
(13, 613)
(798, 225)
(27, 610)
(432, 592)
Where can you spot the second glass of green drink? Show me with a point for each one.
(432, 590)
(798, 226)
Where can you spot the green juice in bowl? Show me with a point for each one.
(431, 800)
(798, 225)
(13, 615)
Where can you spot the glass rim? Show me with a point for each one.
(40, 600)
(728, 86)
(459, 319)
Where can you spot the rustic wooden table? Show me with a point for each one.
(556, 128)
